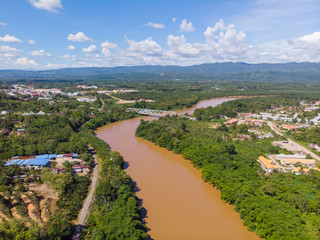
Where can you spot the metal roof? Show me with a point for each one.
(29, 162)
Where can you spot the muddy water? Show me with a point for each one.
(179, 205)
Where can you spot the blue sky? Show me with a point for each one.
(46, 34)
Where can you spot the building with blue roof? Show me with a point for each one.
(38, 161)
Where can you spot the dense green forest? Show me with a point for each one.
(275, 206)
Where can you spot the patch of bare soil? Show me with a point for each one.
(15, 213)
(3, 217)
(32, 209)
(47, 207)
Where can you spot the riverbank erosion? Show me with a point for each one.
(178, 204)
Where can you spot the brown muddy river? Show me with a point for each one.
(178, 204)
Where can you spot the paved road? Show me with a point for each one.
(82, 215)
(307, 151)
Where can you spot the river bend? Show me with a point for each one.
(178, 204)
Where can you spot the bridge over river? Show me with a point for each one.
(151, 112)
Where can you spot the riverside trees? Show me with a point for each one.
(276, 206)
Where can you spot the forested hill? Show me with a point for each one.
(203, 69)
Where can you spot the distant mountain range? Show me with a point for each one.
(203, 69)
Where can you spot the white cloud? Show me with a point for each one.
(109, 45)
(226, 42)
(90, 49)
(68, 57)
(155, 25)
(185, 26)
(8, 51)
(106, 46)
(79, 37)
(180, 46)
(312, 39)
(32, 42)
(48, 5)
(11, 39)
(91, 58)
(210, 33)
(146, 47)
(3, 24)
(40, 53)
(71, 47)
(24, 62)
(174, 19)
(137, 53)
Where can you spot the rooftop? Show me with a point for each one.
(267, 163)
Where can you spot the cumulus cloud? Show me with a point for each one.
(185, 26)
(8, 51)
(24, 62)
(174, 19)
(227, 42)
(48, 5)
(155, 25)
(180, 46)
(90, 49)
(107, 46)
(32, 42)
(79, 37)
(312, 39)
(3, 24)
(10, 39)
(145, 47)
(211, 32)
(71, 47)
(40, 53)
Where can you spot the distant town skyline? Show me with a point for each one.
(49, 34)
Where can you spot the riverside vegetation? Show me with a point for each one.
(275, 206)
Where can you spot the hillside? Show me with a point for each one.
(209, 69)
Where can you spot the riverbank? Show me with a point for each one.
(177, 203)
